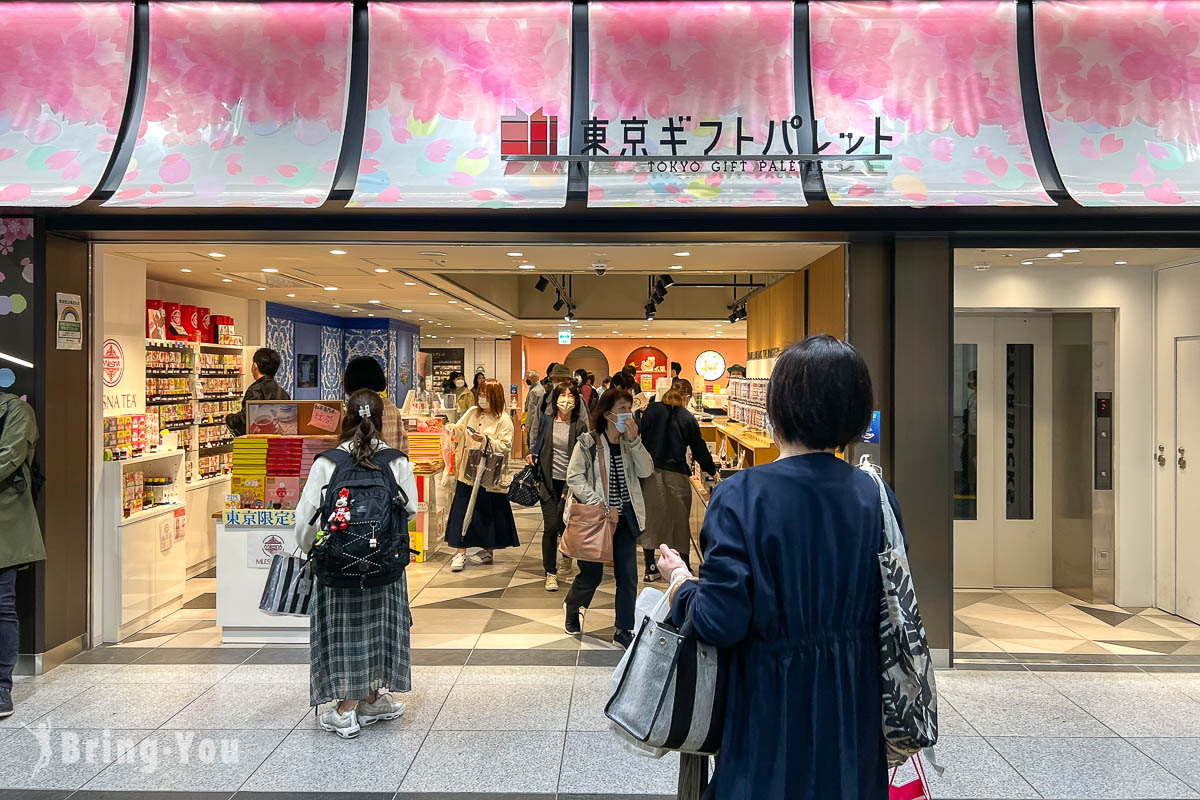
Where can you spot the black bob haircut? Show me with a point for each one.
(820, 394)
(267, 361)
(364, 372)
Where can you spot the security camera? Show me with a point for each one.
(599, 267)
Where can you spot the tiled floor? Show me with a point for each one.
(506, 707)
(503, 606)
(1038, 624)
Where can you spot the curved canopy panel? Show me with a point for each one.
(933, 84)
(684, 79)
(455, 85)
(64, 76)
(1120, 86)
(245, 104)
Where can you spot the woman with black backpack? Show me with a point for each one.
(361, 622)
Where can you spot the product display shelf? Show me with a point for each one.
(149, 513)
(757, 446)
(148, 457)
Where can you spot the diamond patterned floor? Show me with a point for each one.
(1019, 624)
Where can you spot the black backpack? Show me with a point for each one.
(364, 524)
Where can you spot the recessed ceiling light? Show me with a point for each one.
(431, 253)
(337, 252)
(331, 288)
(370, 315)
(512, 331)
(269, 269)
(337, 306)
(540, 334)
(226, 280)
(290, 294)
(676, 266)
(433, 294)
(515, 254)
(1027, 263)
(372, 301)
(354, 310)
(409, 283)
(420, 319)
(682, 254)
(184, 269)
(527, 266)
(616, 331)
(406, 311)
(216, 255)
(1120, 263)
(1054, 255)
(1071, 250)
(381, 269)
(261, 288)
(452, 302)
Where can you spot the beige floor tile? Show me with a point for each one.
(444, 641)
(451, 620)
(504, 641)
(977, 644)
(1037, 645)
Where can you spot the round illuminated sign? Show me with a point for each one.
(710, 365)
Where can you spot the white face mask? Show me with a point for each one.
(566, 403)
(484, 405)
(460, 383)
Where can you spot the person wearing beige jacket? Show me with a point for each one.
(491, 526)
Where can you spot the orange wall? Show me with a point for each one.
(539, 352)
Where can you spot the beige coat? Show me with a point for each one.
(498, 429)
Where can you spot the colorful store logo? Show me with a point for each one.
(524, 134)
(272, 545)
(113, 359)
(710, 365)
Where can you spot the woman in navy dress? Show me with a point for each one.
(790, 585)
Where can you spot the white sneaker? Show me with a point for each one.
(484, 557)
(551, 582)
(384, 708)
(564, 566)
(458, 562)
(344, 725)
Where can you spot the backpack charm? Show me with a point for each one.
(339, 520)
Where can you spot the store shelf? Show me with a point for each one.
(209, 424)
(234, 347)
(206, 446)
(168, 373)
(216, 373)
(759, 448)
(209, 481)
(178, 424)
(148, 458)
(216, 398)
(149, 513)
(168, 399)
(168, 344)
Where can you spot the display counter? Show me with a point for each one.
(736, 440)
(246, 543)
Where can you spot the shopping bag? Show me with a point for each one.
(288, 591)
(916, 789)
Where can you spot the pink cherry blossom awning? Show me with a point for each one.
(1120, 89)
(683, 79)
(64, 77)
(941, 80)
(245, 105)
(453, 86)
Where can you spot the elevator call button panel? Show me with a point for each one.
(1103, 445)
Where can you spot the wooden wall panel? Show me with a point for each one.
(775, 317)
(827, 294)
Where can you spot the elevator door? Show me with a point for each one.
(1187, 479)
(1002, 425)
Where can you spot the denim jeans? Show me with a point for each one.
(10, 636)
(591, 573)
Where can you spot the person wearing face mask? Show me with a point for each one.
(450, 385)
(555, 444)
(533, 403)
(492, 526)
(464, 398)
(558, 375)
(615, 439)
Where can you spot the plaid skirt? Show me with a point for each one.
(359, 642)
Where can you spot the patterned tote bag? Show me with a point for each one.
(909, 694)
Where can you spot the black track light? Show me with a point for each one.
(541, 284)
(667, 281)
(558, 304)
(650, 310)
(733, 316)
(658, 296)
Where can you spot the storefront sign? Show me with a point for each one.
(112, 359)
(260, 550)
(710, 365)
(260, 518)
(69, 321)
(871, 436)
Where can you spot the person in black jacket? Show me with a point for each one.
(551, 453)
(669, 431)
(263, 367)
